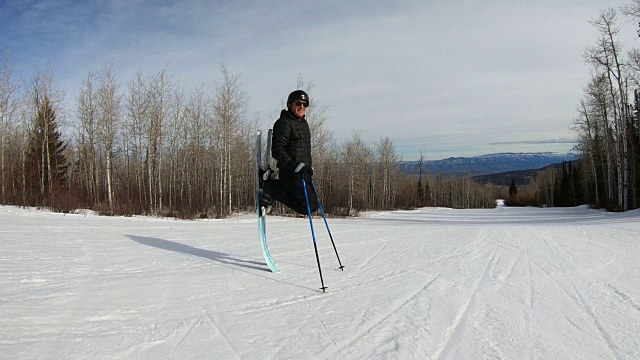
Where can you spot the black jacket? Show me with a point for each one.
(291, 142)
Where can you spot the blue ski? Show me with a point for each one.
(262, 218)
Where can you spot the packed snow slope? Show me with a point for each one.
(505, 283)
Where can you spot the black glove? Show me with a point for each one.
(303, 170)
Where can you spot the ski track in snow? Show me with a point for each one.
(431, 283)
(455, 326)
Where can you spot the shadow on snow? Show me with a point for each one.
(190, 250)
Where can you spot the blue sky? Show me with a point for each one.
(455, 78)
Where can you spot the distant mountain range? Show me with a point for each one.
(488, 164)
(521, 177)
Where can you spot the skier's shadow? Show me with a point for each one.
(190, 250)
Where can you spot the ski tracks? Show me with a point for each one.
(369, 326)
(576, 297)
(625, 298)
(315, 314)
(451, 332)
(221, 333)
(604, 334)
(570, 266)
(369, 264)
(205, 318)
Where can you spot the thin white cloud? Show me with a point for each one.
(533, 142)
(459, 75)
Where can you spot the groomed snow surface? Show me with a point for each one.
(505, 283)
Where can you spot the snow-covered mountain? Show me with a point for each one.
(489, 164)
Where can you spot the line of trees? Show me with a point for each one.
(608, 128)
(561, 187)
(147, 146)
(607, 122)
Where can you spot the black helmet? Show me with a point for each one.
(298, 95)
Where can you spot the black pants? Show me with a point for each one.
(289, 191)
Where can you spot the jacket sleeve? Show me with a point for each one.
(279, 142)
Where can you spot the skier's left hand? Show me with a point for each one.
(301, 169)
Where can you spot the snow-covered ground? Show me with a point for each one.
(505, 283)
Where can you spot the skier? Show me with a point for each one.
(291, 147)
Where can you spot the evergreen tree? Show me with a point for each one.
(557, 194)
(564, 193)
(420, 192)
(427, 193)
(421, 201)
(513, 190)
(577, 183)
(46, 164)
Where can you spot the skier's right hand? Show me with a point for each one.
(303, 169)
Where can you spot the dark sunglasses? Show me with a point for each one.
(302, 103)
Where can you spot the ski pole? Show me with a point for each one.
(313, 185)
(313, 235)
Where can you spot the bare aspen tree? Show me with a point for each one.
(388, 166)
(632, 10)
(597, 138)
(156, 121)
(612, 33)
(109, 112)
(138, 106)
(244, 163)
(442, 190)
(174, 130)
(606, 56)
(605, 103)
(9, 87)
(87, 134)
(602, 105)
(588, 141)
(547, 184)
(26, 120)
(357, 158)
(147, 108)
(196, 135)
(229, 109)
(12, 138)
(18, 138)
(633, 65)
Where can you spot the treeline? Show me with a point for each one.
(561, 187)
(608, 129)
(607, 121)
(452, 191)
(149, 147)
